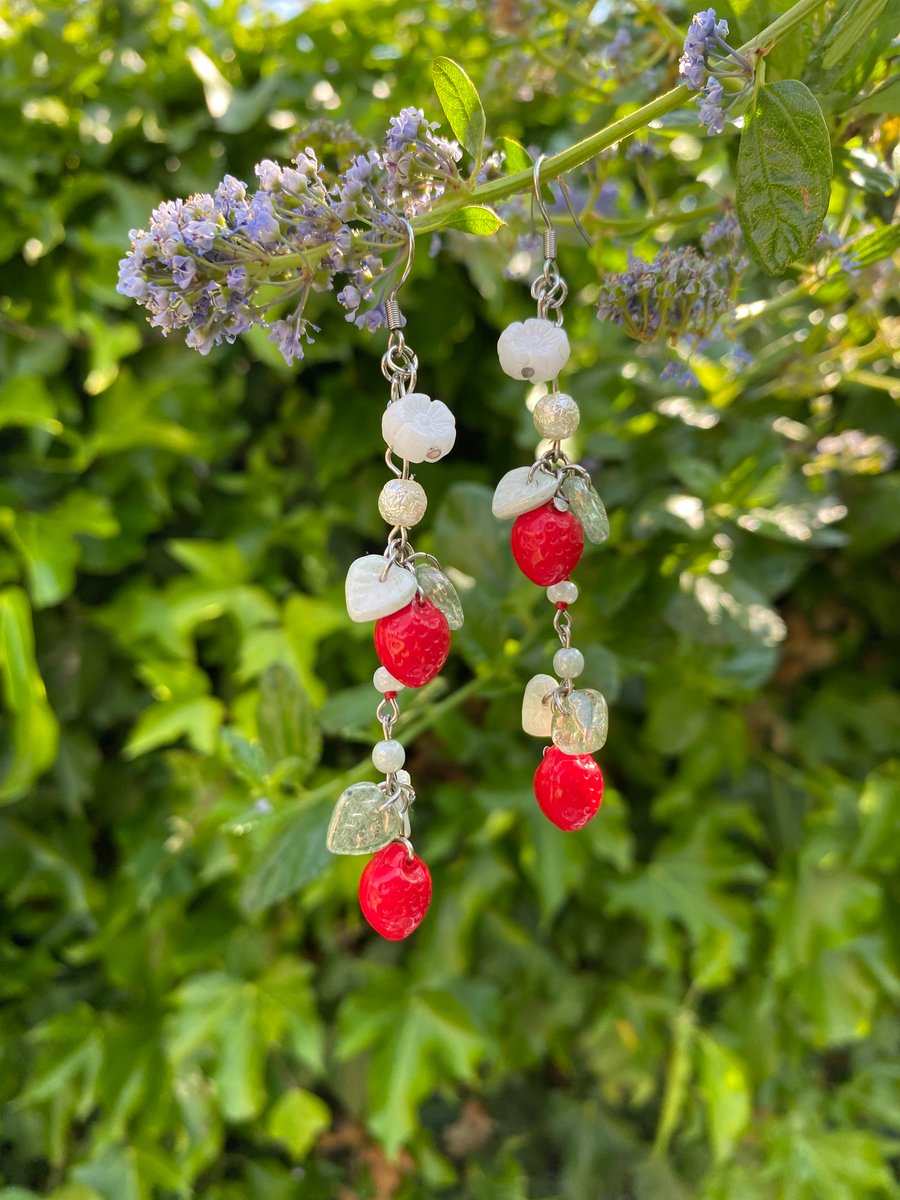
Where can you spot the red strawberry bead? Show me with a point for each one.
(568, 788)
(547, 544)
(394, 892)
(414, 642)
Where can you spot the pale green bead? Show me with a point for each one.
(582, 725)
(587, 507)
(441, 592)
(388, 756)
(362, 821)
(568, 662)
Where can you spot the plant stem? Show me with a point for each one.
(590, 147)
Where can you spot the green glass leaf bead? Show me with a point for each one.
(361, 824)
(441, 592)
(587, 507)
(582, 726)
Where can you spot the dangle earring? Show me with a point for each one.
(555, 506)
(414, 607)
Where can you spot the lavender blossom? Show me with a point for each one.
(712, 115)
(208, 265)
(681, 294)
(706, 55)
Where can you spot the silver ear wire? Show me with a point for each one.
(549, 231)
(391, 307)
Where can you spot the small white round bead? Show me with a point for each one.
(556, 416)
(402, 502)
(568, 663)
(385, 682)
(562, 593)
(388, 756)
(404, 777)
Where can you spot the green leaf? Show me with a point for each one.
(726, 1094)
(461, 104)
(297, 1118)
(516, 157)
(49, 541)
(850, 29)
(419, 1040)
(27, 401)
(783, 174)
(688, 886)
(35, 732)
(473, 218)
(197, 719)
(884, 99)
(294, 856)
(873, 247)
(678, 1079)
(113, 1175)
(231, 1023)
(286, 722)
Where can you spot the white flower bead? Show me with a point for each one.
(536, 350)
(388, 756)
(402, 502)
(418, 428)
(568, 663)
(556, 416)
(562, 593)
(385, 682)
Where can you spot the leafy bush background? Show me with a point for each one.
(697, 995)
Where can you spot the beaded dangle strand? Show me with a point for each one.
(414, 606)
(555, 506)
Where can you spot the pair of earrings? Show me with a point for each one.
(415, 607)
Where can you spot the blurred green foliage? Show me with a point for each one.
(697, 995)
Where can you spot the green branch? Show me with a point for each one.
(596, 143)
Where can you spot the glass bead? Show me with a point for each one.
(394, 892)
(441, 592)
(547, 544)
(361, 822)
(587, 507)
(388, 756)
(568, 662)
(582, 724)
(536, 350)
(568, 788)
(536, 715)
(556, 416)
(413, 643)
(385, 682)
(402, 502)
(562, 593)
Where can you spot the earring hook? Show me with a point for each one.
(549, 232)
(547, 221)
(391, 307)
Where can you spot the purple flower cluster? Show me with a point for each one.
(216, 265)
(704, 36)
(681, 294)
(707, 58)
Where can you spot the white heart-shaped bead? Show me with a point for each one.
(536, 350)
(537, 717)
(418, 428)
(516, 493)
(369, 596)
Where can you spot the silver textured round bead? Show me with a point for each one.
(402, 502)
(556, 416)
